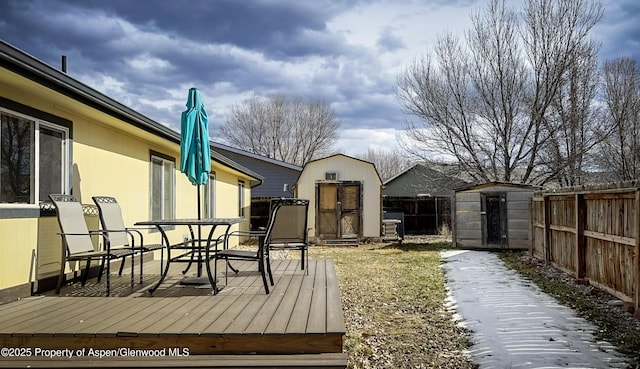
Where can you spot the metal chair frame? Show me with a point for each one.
(278, 232)
(77, 244)
(112, 223)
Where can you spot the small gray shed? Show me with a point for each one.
(493, 215)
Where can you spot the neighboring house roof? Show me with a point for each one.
(276, 174)
(421, 180)
(479, 186)
(312, 162)
(19, 62)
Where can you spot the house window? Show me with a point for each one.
(162, 187)
(241, 199)
(209, 197)
(33, 159)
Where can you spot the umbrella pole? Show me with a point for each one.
(198, 279)
(199, 234)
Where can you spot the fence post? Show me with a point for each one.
(580, 214)
(532, 227)
(636, 264)
(547, 233)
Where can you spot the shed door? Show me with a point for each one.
(349, 197)
(339, 210)
(327, 218)
(494, 219)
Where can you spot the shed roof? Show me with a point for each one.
(313, 162)
(22, 63)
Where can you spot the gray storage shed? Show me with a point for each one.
(493, 215)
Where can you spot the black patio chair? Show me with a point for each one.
(287, 228)
(289, 231)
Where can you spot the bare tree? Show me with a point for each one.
(576, 121)
(620, 153)
(387, 163)
(555, 37)
(293, 130)
(484, 103)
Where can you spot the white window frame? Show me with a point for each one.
(241, 187)
(209, 198)
(165, 160)
(65, 142)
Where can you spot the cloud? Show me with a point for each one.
(619, 29)
(347, 53)
(377, 139)
(388, 41)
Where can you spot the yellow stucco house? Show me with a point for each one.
(58, 135)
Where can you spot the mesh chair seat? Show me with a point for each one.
(84, 255)
(239, 253)
(121, 252)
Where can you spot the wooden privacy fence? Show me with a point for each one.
(592, 233)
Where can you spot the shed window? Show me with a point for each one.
(33, 158)
(331, 176)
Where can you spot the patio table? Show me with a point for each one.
(192, 250)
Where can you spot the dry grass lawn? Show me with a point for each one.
(393, 299)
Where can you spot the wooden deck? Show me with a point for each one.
(301, 315)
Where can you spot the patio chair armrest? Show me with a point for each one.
(224, 240)
(247, 233)
(81, 234)
(137, 230)
(130, 231)
(103, 233)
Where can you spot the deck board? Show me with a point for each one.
(108, 317)
(243, 317)
(317, 321)
(335, 315)
(300, 312)
(282, 316)
(181, 308)
(201, 307)
(265, 311)
(230, 314)
(161, 310)
(206, 320)
(292, 319)
(24, 313)
(325, 361)
(69, 317)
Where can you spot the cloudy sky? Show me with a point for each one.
(147, 54)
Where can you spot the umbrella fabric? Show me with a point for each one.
(195, 156)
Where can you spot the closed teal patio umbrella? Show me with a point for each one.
(195, 155)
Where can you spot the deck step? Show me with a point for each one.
(342, 242)
(324, 360)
